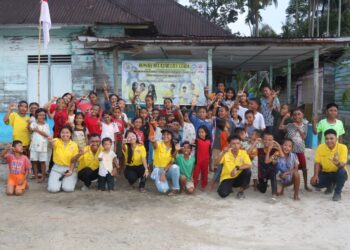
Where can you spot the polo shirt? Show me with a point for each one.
(162, 155)
(20, 128)
(324, 155)
(137, 155)
(89, 159)
(229, 162)
(63, 154)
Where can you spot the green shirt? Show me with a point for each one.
(324, 125)
(186, 166)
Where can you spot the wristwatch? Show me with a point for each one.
(237, 168)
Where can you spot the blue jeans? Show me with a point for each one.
(216, 177)
(173, 174)
(150, 154)
(338, 178)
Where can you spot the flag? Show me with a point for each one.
(45, 19)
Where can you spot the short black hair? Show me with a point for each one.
(224, 107)
(201, 107)
(256, 100)
(92, 93)
(266, 86)
(39, 110)
(106, 112)
(288, 139)
(22, 102)
(331, 105)
(249, 112)
(238, 131)
(104, 140)
(234, 137)
(34, 103)
(330, 132)
(168, 98)
(186, 143)
(94, 135)
(258, 132)
(15, 142)
(267, 133)
(66, 127)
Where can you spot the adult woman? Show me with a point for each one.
(152, 91)
(164, 169)
(133, 93)
(135, 159)
(65, 154)
(269, 102)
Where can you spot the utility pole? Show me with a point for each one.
(328, 13)
(339, 19)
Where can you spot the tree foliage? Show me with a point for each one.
(221, 12)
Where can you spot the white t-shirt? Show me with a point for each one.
(109, 130)
(259, 122)
(241, 112)
(39, 143)
(106, 162)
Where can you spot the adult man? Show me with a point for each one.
(89, 163)
(269, 102)
(330, 164)
(236, 169)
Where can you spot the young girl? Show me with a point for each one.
(117, 118)
(202, 157)
(259, 122)
(230, 97)
(189, 132)
(19, 166)
(59, 116)
(186, 164)
(92, 121)
(72, 109)
(137, 122)
(65, 154)
(159, 128)
(252, 147)
(164, 169)
(237, 120)
(108, 166)
(39, 144)
(80, 132)
(287, 167)
(109, 129)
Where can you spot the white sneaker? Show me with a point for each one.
(84, 188)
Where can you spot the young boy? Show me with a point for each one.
(108, 166)
(19, 166)
(330, 122)
(297, 132)
(186, 164)
(287, 167)
(19, 122)
(252, 147)
(282, 117)
(259, 121)
(200, 119)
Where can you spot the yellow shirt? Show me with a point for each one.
(324, 156)
(89, 159)
(230, 162)
(20, 128)
(162, 156)
(62, 155)
(138, 154)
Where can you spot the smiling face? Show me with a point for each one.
(65, 134)
(78, 119)
(67, 98)
(201, 133)
(95, 111)
(186, 150)
(93, 98)
(298, 116)
(235, 145)
(331, 140)
(113, 99)
(167, 137)
(41, 117)
(33, 108)
(168, 104)
(138, 123)
(268, 140)
(287, 147)
(131, 138)
(22, 108)
(148, 101)
(94, 143)
(249, 119)
(332, 112)
(266, 91)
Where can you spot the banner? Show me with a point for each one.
(183, 82)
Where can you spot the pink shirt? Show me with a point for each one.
(18, 165)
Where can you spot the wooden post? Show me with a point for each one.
(39, 54)
(115, 71)
(289, 81)
(339, 19)
(271, 76)
(317, 93)
(328, 13)
(210, 68)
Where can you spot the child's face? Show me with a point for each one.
(138, 123)
(113, 99)
(107, 118)
(221, 87)
(229, 94)
(168, 104)
(155, 114)
(79, 119)
(186, 117)
(41, 117)
(202, 114)
(249, 119)
(253, 106)
(162, 122)
(131, 138)
(255, 136)
(167, 137)
(67, 98)
(298, 116)
(143, 113)
(220, 96)
(267, 92)
(65, 134)
(107, 145)
(22, 108)
(33, 108)
(18, 148)
(235, 145)
(95, 111)
(222, 113)
(149, 101)
(201, 133)
(121, 104)
(234, 113)
(170, 118)
(242, 135)
(93, 99)
(60, 104)
(72, 107)
(117, 113)
(268, 140)
(175, 126)
(186, 149)
(209, 114)
(332, 112)
(284, 110)
(287, 147)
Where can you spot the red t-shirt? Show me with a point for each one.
(203, 150)
(92, 125)
(140, 135)
(121, 126)
(175, 113)
(60, 118)
(18, 165)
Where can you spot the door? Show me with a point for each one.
(61, 79)
(32, 90)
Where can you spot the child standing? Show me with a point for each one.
(108, 166)
(80, 132)
(202, 157)
(287, 167)
(39, 144)
(237, 120)
(249, 123)
(19, 123)
(259, 121)
(186, 163)
(189, 132)
(252, 147)
(282, 117)
(60, 116)
(93, 122)
(137, 122)
(121, 124)
(109, 128)
(297, 132)
(19, 166)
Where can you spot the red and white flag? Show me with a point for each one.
(46, 21)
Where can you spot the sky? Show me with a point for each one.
(273, 16)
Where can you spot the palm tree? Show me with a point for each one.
(253, 17)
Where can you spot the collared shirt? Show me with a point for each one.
(162, 155)
(89, 159)
(20, 128)
(229, 162)
(63, 154)
(138, 153)
(324, 125)
(324, 156)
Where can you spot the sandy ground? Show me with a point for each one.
(127, 219)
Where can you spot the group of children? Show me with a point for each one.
(181, 144)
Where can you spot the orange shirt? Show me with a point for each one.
(223, 139)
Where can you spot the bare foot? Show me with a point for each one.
(40, 180)
(296, 198)
(308, 189)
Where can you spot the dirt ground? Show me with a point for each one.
(127, 219)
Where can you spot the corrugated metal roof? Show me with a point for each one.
(169, 17)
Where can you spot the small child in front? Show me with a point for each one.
(108, 166)
(19, 166)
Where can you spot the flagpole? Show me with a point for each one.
(39, 52)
